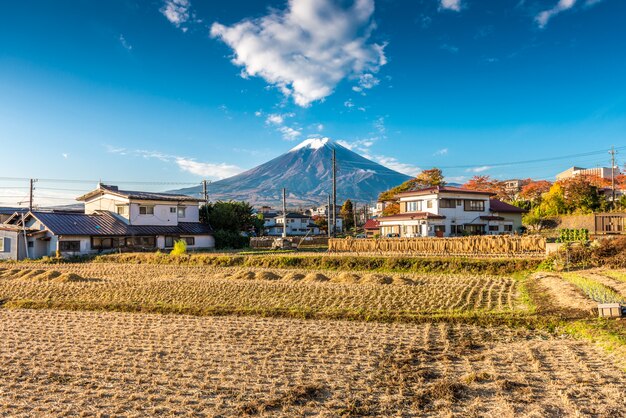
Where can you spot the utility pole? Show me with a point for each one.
(30, 195)
(334, 193)
(328, 217)
(354, 216)
(205, 195)
(284, 213)
(613, 152)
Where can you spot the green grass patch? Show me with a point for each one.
(594, 290)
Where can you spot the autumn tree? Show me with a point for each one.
(427, 178)
(553, 202)
(534, 190)
(392, 208)
(347, 213)
(581, 194)
(488, 184)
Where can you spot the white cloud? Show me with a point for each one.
(396, 165)
(65, 155)
(177, 12)
(348, 103)
(320, 127)
(443, 151)
(289, 134)
(274, 119)
(450, 5)
(125, 43)
(543, 17)
(307, 49)
(478, 169)
(219, 171)
(211, 170)
(366, 81)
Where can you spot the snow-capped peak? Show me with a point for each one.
(312, 143)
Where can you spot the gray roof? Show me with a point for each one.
(107, 224)
(137, 195)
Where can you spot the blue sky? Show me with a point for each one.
(180, 90)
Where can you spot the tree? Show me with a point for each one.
(427, 178)
(534, 219)
(392, 208)
(347, 213)
(534, 190)
(231, 222)
(553, 202)
(487, 184)
(321, 222)
(581, 194)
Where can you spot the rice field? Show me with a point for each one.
(73, 363)
(212, 290)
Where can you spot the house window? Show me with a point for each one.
(412, 206)
(474, 229)
(189, 240)
(447, 203)
(440, 228)
(146, 210)
(494, 228)
(31, 244)
(2, 239)
(474, 205)
(105, 243)
(172, 210)
(429, 204)
(181, 211)
(459, 202)
(122, 210)
(457, 229)
(71, 246)
(508, 228)
(169, 241)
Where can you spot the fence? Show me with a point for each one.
(474, 245)
(266, 242)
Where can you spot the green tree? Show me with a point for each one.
(232, 222)
(347, 213)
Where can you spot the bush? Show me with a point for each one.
(230, 239)
(180, 248)
(573, 235)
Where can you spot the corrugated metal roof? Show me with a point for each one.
(106, 224)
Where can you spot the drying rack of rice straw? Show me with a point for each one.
(483, 246)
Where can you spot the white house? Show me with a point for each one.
(450, 211)
(297, 224)
(113, 219)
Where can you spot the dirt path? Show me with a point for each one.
(565, 294)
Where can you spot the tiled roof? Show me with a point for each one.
(496, 205)
(137, 195)
(372, 224)
(411, 215)
(443, 189)
(106, 224)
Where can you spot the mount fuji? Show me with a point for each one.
(306, 172)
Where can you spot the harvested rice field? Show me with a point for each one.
(211, 290)
(63, 363)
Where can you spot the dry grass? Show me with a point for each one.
(119, 364)
(211, 290)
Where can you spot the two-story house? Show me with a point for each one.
(113, 219)
(296, 224)
(450, 211)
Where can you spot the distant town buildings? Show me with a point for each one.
(602, 172)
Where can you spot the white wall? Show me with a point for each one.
(11, 243)
(162, 214)
(106, 202)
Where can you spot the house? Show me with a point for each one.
(6, 213)
(514, 186)
(450, 211)
(113, 219)
(372, 228)
(297, 224)
(602, 172)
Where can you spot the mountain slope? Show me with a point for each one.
(306, 172)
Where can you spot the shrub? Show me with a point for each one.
(180, 248)
(230, 239)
